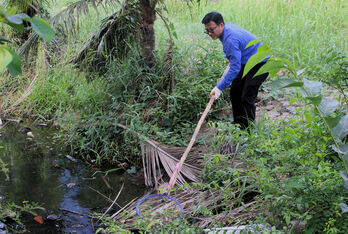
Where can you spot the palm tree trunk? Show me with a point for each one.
(148, 17)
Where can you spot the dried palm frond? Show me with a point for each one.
(156, 156)
(191, 200)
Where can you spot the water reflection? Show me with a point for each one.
(40, 172)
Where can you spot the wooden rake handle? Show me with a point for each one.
(193, 138)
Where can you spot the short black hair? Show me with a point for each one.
(213, 16)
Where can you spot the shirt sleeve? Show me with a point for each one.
(234, 55)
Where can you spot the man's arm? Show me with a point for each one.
(234, 55)
(216, 91)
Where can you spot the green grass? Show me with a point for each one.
(301, 31)
(63, 89)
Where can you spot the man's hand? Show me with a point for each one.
(215, 92)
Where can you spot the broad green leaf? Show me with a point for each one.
(42, 28)
(17, 19)
(289, 65)
(312, 87)
(343, 148)
(5, 57)
(2, 15)
(263, 48)
(262, 53)
(18, 27)
(315, 100)
(13, 10)
(14, 67)
(341, 129)
(272, 66)
(253, 42)
(328, 106)
(345, 158)
(345, 179)
(285, 83)
(344, 208)
(332, 121)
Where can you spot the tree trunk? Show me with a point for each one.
(148, 17)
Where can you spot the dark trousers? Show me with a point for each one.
(243, 93)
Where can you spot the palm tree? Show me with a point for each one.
(133, 22)
(148, 17)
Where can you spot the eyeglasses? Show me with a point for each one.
(207, 31)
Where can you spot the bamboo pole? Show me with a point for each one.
(193, 138)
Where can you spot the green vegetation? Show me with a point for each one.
(16, 212)
(292, 169)
(15, 20)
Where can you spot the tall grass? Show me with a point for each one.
(301, 31)
(62, 90)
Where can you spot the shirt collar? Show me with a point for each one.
(221, 38)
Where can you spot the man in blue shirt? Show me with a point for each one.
(243, 90)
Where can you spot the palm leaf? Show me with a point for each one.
(113, 38)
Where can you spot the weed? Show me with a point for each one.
(4, 168)
(11, 211)
(291, 167)
(333, 73)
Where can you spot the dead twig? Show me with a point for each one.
(77, 213)
(104, 196)
(125, 207)
(106, 182)
(112, 202)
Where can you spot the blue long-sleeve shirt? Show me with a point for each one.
(234, 39)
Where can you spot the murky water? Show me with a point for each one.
(40, 172)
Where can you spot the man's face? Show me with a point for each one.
(214, 30)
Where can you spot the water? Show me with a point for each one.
(40, 172)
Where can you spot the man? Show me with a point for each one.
(244, 90)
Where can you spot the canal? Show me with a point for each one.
(42, 172)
